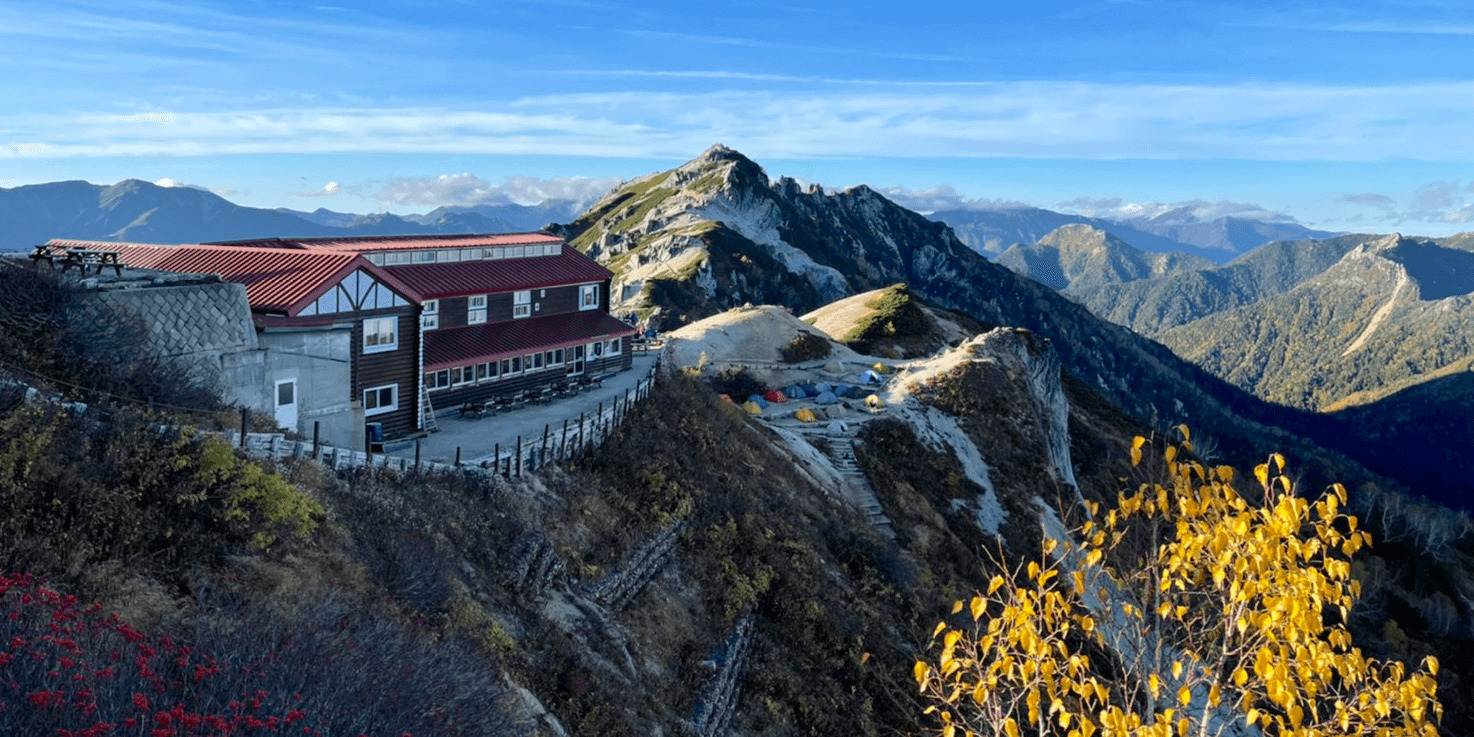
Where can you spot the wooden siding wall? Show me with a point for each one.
(454, 397)
(400, 366)
(557, 301)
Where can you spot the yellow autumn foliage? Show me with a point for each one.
(1186, 610)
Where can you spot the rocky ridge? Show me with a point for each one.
(1391, 309)
(1082, 258)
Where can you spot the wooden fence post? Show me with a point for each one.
(563, 441)
(458, 456)
(542, 453)
(519, 456)
(316, 438)
(245, 418)
(417, 456)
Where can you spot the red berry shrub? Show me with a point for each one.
(73, 671)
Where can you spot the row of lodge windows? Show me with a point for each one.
(476, 306)
(453, 255)
(489, 371)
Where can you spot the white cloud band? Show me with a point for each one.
(1017, 119)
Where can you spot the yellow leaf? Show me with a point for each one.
(1432, 664)
(1155, 684)
(957, 606)
(1240, 676)
(1297, 715)
(921, 671)
(1186, 433)
(1184, 695)
(977, 608)
(995, 584)
(1261, 472)
(1170, 454)
(1252, 716)
(940, 626)
(1010, 728)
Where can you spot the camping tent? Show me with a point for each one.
(837, 427)
(775, 396)
(806, 415)
(881, 368)
(874, 402)
(826, 398)
(759, 401)
(751, 408)
(822, 387)
(794, 391)
(870, 377)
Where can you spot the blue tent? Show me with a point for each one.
(841, 390)
(826, 398)
(795, 391)
(758, 400)
(857, 392)
(822, 387)
(808, 387)
(870, 377)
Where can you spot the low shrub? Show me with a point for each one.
(75, 671)
(806, 347)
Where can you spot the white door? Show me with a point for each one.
(286, 404)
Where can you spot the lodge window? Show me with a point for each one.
(425, 257)
(380, 399)
(462, 375)
(476, 309)
(515, 368)
(596, 349)
(614, 346)
(555, 358)
(380, 334)
(437, 379)
(535, 361)
(486, 371)
(588, 297)
(522, 304)
(430, 314)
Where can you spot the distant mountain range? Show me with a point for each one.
(135, 210)
(993, 231)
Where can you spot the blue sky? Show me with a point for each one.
(1345, 116)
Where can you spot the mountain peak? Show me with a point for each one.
(718, 153)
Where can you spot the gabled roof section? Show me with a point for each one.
(476, 343)
(480, 277)
(277, 280)
(376, 243)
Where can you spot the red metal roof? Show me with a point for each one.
(276, 279)
(435, 281)
(374, 244)
(473, 344)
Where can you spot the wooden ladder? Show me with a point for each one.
(427, 410)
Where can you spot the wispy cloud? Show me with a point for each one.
(802, 48)
(1114, 208)
(1013, 119)
(328, 190)
(465, 189)
(943, 197)
(1441, 202)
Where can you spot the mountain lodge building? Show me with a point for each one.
(404, 325)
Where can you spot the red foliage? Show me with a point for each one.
(66, 671)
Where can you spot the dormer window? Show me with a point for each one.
(588, 297)
(430, 314)
(522, 304)
(476, 309)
